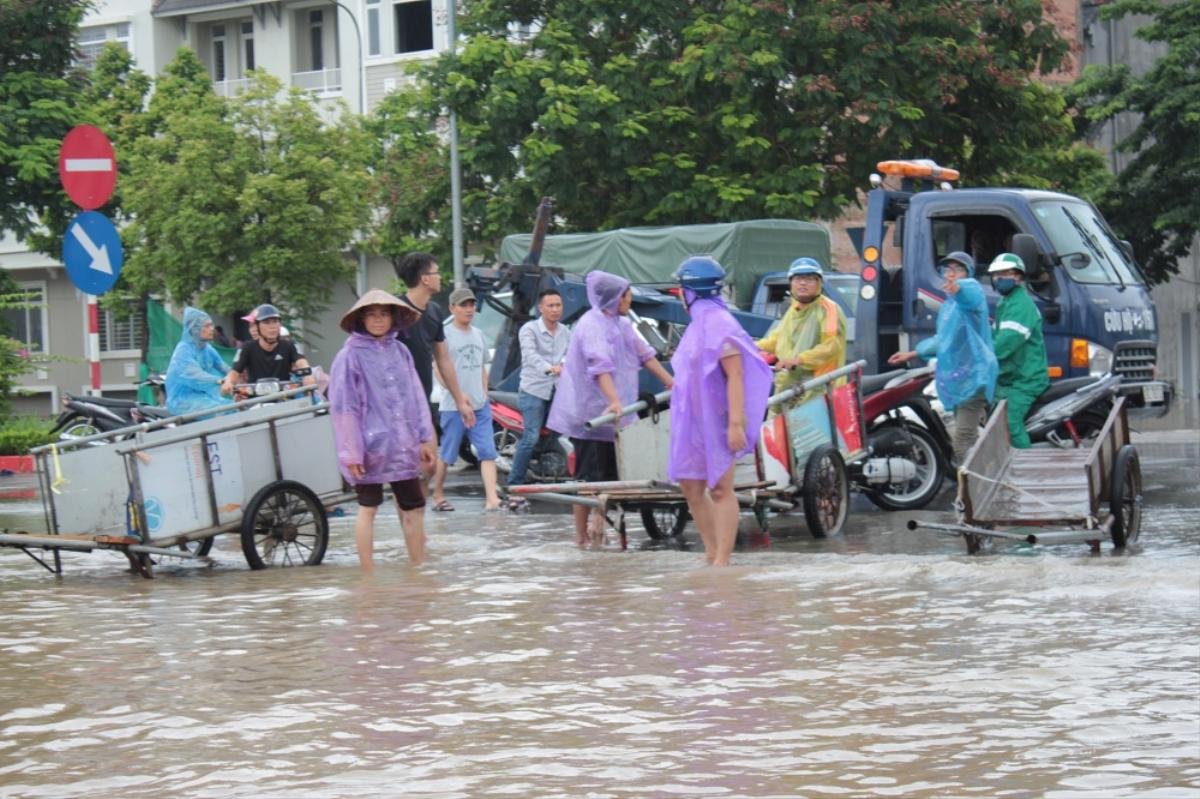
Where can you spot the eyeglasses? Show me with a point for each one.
(432, 272)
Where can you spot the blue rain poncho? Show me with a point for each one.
(194, 377)
(963, 347)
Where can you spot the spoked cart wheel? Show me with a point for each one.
(1125, 496)
(826, 491)
(285, 525)
(665, 521)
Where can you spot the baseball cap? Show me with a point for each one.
(461, 295)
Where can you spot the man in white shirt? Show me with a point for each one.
(543, 345)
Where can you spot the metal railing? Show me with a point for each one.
(320, 80)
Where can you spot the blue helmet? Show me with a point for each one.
(805, 266)
(266, 311)
(702, 274)
(959, 257)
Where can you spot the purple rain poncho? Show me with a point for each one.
(194, 375)
(699, 405)
(379, 410)
(602, 342)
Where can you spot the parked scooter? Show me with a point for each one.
(911, 452)
(83, 416)
(553, 456)
(1071, 411)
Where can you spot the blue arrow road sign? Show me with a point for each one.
(92, 253)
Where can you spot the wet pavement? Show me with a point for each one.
(880, 662)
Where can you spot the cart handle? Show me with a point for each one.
(816, 382)
(608, 418)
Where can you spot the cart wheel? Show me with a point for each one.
(665, 521)
(198, 548)
(826, 491)
(285, 525)
(1125, 496)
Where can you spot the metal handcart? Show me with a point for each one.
(800, 459)
(265, 469)
(1080, 495)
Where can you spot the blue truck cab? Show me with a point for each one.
(1096, 308)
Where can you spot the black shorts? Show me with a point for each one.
(409, 495)
(595, 461)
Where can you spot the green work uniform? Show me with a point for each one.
(1021, 353)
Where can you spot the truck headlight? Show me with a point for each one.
(1100, 359)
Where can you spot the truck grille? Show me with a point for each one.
(1134, 360)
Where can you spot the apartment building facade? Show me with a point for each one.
(334, 50)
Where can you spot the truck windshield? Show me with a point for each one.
(1076, 227)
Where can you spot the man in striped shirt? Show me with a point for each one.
(1020, 348)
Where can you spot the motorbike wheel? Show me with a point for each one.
(826, 491)
(917, 444)
(549, 465)
(506, 447)
(665, 521)
(79, 427)
(1125, 497)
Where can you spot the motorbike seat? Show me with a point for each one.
(1059, 389)
(153, 412)
(108, 402)
(872, 383)
(506, 398)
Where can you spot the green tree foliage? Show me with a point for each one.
(236, 202)
(1155, 200)
(701, 110)
(410, 180)
(39, 91)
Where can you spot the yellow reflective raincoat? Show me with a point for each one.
(816, 333)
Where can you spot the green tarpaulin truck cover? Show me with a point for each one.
(747, 250)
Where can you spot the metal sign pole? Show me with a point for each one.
(93, 312)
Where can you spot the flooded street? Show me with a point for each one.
(879, 663)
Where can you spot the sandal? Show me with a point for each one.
(517, 503)
(443, 506)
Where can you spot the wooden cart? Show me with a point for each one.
(266, 471)
(800, 460)
(1058, 495)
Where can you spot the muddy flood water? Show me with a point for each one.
(880, 663)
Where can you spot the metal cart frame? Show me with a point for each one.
(168, 488)
(1077, 495)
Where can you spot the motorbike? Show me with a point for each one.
(553, 456)
(1073, 410)
(83, 416)
(911, 451)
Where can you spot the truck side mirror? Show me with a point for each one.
(1127, 248)
(1025, 246)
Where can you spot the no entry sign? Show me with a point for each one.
(87, 166)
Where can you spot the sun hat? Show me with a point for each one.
(408, 315)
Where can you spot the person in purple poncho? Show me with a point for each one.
(600, 376)
(381, 421)
(717, 406)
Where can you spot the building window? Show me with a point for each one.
(27, 323)
(316, 39)
(92, 40)
(218, 51)
(414, 26)
(248, 46)
(120, 334)
(373, 34)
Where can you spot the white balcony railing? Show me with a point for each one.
(322, 81)
(229, 88)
